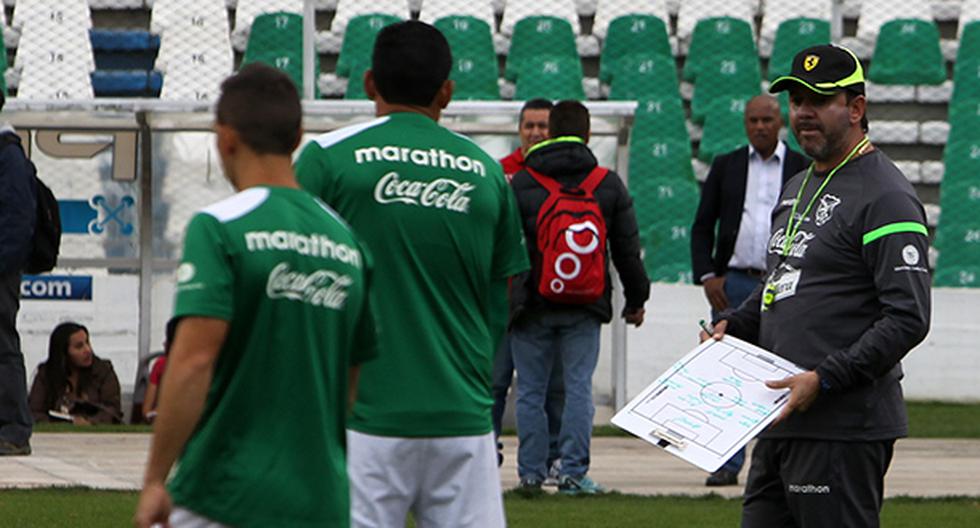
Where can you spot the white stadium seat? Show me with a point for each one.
(778, 11)
(874, 14)
(433, 10)
(55, 81)
(199, 13)
(516, 11)
(609, 10)
(73, 13)
(67, 46)
(691, 12)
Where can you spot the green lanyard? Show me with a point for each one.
(791, 227)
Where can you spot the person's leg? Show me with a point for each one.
(764, 504)
(503, 375)
(15, 416)
(461, 484)
(836, 484)
(579, 342)
(532, 348)
(554, 404)
(385, 477)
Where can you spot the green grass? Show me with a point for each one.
(85, 508)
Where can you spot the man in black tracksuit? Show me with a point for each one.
(541, 328)
(847, 295)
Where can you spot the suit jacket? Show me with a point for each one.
(722, 203)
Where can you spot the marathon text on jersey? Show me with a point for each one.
(314, 245)
(421, 157)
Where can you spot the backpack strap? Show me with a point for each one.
(592, 181)
(550, 184)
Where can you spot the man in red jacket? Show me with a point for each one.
(533, 129)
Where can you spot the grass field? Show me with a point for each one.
(83, 508)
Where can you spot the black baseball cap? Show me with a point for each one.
(824, 69)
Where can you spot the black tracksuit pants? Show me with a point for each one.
(816, 483)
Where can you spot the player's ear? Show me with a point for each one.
(227, 139)
(369, 87)
(445, 93)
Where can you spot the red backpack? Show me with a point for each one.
(572, 241)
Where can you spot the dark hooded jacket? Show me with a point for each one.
(569, 162)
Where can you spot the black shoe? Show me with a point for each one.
(10, 449)
(500, 454)
(722, 477)
(529, 488)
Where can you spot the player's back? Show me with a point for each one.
(290, 278)
(440, 219)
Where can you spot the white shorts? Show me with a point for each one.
(444, 482)
(184, 518)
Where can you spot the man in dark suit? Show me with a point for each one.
(736, 201)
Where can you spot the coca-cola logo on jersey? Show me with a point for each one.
(324, 288)
(442, 193)
(581, 239)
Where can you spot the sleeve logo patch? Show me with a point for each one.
(185, 272)
(910, 255)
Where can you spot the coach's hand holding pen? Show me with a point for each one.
(717, 332)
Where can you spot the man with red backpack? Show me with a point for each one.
(575, 215)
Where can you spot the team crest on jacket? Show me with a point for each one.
(825, 210)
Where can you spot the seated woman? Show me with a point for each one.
(73, 384)
(156, 374)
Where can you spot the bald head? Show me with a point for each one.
(762, 124)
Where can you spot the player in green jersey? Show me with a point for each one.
(442, 223)
(272, 295)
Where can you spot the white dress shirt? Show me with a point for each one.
(762, 186)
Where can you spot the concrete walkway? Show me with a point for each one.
(921, 468)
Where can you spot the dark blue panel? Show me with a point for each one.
(56, 287)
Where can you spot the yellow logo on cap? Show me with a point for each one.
(810, 62)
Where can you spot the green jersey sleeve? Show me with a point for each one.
(366, 336)
(204, 277)
(313, 171)
(509, 251)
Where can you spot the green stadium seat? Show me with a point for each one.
(667, 250)
(657, 160)
(287, 62)
(966, 71)
(908, 52)
(359, 41)
(725, 77)
(792, 36)
(658, 200)
(960, 201)
(279, 32)
(629, 34)
(3, 65)
(954, 276)
(724, 127)
(639, 77)
(355, 82)
(551, 77)
(535, 35)
(964, 120)
(475, 67)
(714, 38)
(661, 118)
(959, 242)
(961, 159)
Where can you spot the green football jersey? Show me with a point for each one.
(443, 226)
(292, 281)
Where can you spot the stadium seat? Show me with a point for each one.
(667, 249)
(359, 41)
(189, 29)
(200, 13)
(551, 77)
(724, 127)
(794, 35)
(536, 35)
(639, 77)
(475, 78)
(875, 14)
(355, 83)
(960, 200)
(777, 12)
(55, 81)
(675, 273)
(276, 39)
(691, 12)
(608, 11)
(715, 38)
(630, 34)
(194, 72)
(517, 11)
(958, 242)
(434, 10)
(475, 67)
(734, 76)
(961, 159)
(347, 10)
(956, 276)
(966, 70)
(661, 118)
(69, 13)
(126, 83)
(908, 52)
(659, 193)
(246, 12)
(116, 49)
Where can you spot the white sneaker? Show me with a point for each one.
(553, 473)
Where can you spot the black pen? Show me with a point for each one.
(704, 326)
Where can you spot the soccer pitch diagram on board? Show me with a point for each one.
(710, 403)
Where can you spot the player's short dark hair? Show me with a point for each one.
(535, 104)
(410, 63)
(262, 105)
(568, 118)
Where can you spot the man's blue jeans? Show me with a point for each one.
(503, 375)
(738, 287)
(536, 340)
